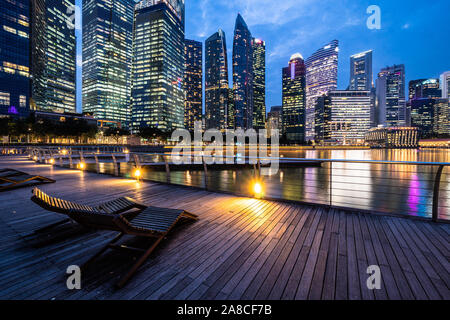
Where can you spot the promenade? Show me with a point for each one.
(241, 248)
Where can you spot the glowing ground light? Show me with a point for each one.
(257, 188)
(82, 165)
(35, 158)
(137, 173)
(52, 161)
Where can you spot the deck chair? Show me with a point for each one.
(13, 179)
(153, 222)
(113, 207)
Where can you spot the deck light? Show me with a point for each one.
(64, 151)
(137, 174)
(35, 158)
(82, 165)
(52, 161)
(258, 189)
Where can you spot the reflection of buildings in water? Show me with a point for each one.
(418, 203)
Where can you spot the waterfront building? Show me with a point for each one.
(361, 77)
(157, 93)
(445, 84)
(422, 116)
(243, 75)
(321, 77)
(259, 84)
(53, 56)
(14, 58)
(107, 56)
(393, 137)
(441, 125)
(274, 120)
(344, 117)
(391, 104)
(217, 100)
(193, 79)
(294, 99)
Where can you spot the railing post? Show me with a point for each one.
(205, 173)
(166, 163)
(437, 183)
(137, 162)
(331, 183)
(116, 167)
(97, 165)
(70, 159)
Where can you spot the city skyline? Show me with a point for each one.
(286, 30)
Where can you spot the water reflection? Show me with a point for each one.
(404, 189)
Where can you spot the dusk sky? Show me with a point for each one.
(413, 32)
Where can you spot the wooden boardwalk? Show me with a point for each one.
(240, 248)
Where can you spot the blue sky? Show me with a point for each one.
(413, 32)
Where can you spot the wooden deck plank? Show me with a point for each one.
(240, 248)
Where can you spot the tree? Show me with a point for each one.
(116, 133)
(151, 133)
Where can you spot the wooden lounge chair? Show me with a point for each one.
(153, 222)
(13, 179)
(113, 207)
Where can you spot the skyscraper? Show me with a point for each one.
(391, 105)
(243, 75)
(193, 79)
(321, 77)
(107, 50)
(259, 84)
(216, 82)
(361, 71)
(441, 121)
(15, 57)
(294, 99)
(344, 116)
(424, 88)
(53, 56)
(422, 116)
(445, 85)
(158, 65)
(275, 120)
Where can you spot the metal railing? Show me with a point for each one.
(394, 187)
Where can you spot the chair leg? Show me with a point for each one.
(102, 250)
(136, 266)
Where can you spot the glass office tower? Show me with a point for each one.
(243, 75)
(14, 58)
(259, 84)
(422, 116)
(391, 104)
(218, 111)
(321, 77)
(294, 99)
(158, 65)
(424, 88)
(361, 71)
(344, 116)
(193, 79)
(53, 55)
(107, 49)
(445, 84)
